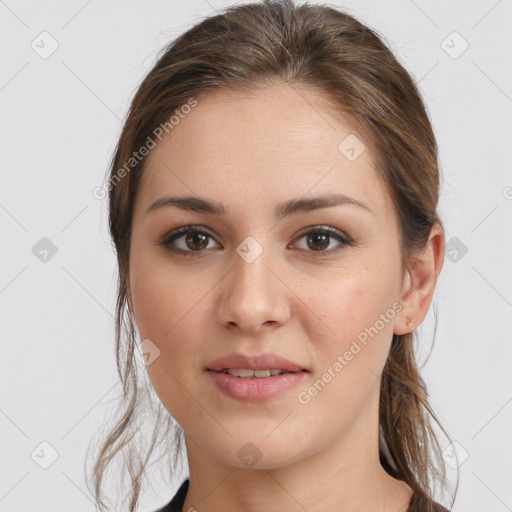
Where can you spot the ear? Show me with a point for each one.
(420, 278)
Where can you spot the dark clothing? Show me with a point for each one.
(417, 504)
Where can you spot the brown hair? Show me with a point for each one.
(315, 46)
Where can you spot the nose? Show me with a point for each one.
(253, 296)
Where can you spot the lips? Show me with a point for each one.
(253, 390)
(265, 361)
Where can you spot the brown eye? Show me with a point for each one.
(187, 240)
(318, 240)
(196, 241)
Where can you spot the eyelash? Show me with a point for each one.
(322, 230)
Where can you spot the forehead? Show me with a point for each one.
(273, 143)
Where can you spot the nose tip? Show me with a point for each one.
(253, 297)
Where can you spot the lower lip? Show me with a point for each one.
(254, 389)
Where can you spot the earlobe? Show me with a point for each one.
(419, 283)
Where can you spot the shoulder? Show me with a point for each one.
(417, 504)
(177, 502)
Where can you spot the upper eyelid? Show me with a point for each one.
(321, 227)
(183, 230)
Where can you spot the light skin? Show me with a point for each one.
(251, 152)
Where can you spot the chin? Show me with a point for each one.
(257, 454)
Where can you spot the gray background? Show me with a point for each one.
(60, 118)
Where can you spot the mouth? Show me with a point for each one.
(246, 373)
(251, 365)
(246, 385)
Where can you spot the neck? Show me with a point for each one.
(345, 475)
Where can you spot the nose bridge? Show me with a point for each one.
(251, 274)
(253, 295)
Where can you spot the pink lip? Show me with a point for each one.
(259, 362)
(255, 389)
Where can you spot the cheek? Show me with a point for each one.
(171, 311)
(351, 346)
(352, 316)
(346, 304)
(164, 299)
(174, 310)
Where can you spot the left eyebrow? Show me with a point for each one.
(287, 208)
(303, 205)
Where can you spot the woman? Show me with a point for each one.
(273, 204)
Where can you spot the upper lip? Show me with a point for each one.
(265, 361)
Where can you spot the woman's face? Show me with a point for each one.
(252, 282)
